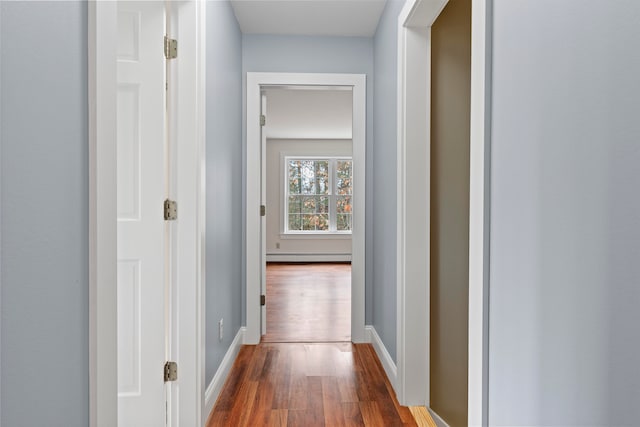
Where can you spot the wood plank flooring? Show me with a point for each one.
(318, 384)
(308, 302)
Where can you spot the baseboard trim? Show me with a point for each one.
(385, 358)
(309, 258)
(214, 388)
(439, 421)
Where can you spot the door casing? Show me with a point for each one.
(102, 30)
(253, 248)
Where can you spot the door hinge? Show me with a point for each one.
(170, 210)
(170, 371)
(170, 48)
(263, 300)
(263, 210)
(263, 120)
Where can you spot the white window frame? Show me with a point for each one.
(333, 220)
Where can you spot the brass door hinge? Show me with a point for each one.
(170, 371)
(170, 48)
(263, 210)
(263, 300)
(170, 210)
(263, 120)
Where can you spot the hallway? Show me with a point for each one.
(319, 384)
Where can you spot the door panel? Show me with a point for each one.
(141, 237)
(263, 220)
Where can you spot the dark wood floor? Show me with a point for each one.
(319, 384)
(308, 302)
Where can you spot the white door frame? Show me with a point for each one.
(103, 38)
(414, 82)
(253, 158)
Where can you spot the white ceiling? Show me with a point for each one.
(309, 114)
(309, 17)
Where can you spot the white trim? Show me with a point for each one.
(438, 420)
(413, 276)
(478, 259)
(218, 380)
(252, 203)
(383, 355)
(308, 257)
(201, 64)
(413, 213)
(0, 219)
(103, 401)
(316, 236)
(102, 28)
(190, 256)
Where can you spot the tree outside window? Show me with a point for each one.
(319, 195)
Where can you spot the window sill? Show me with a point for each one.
(302, 236)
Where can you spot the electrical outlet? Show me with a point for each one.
(221, 329)
(278, 245)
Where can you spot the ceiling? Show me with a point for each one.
(309, 17)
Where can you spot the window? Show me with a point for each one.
(318, 195)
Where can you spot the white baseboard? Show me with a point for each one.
(308, 257)
(385, 358)
(214, 388)
(439, 421)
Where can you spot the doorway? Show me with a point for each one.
(449, 192)
(414, 95)
(256, 243)
(307, 146)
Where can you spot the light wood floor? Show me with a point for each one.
(308, 302)
(319, 384)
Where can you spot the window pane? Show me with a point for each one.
(322, 177)
(308, 177)
(344, 210)
(295, 204)
(323, 205)
(295, 222)
(344, 183)
(294, 176)
(308, 205)
(308, 222)
(343, 204)
(344, 222)
(323, 222)
(318, 222)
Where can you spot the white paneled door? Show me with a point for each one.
(142, 242)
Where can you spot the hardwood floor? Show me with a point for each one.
(308, 302)
(319, 384)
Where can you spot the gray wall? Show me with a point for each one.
(565, 214)
(298, 54)
(383, 244)
(224, 181)
(44, 178)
